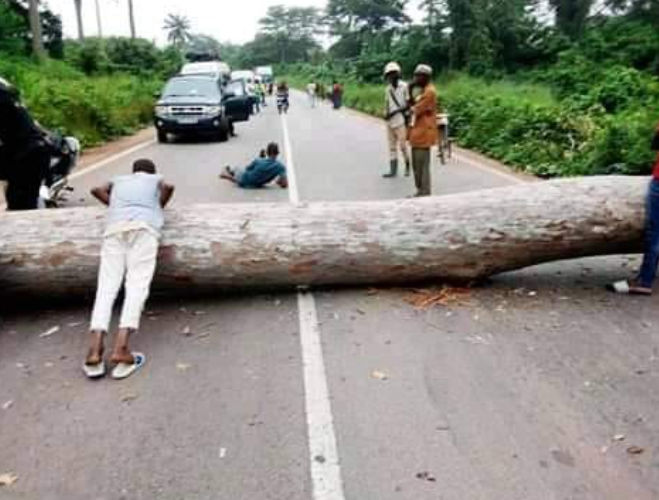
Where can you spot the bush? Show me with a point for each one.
(93, 109)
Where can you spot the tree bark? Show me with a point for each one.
(460, 237)
(78, 8)
(131, 18)
(35, 28)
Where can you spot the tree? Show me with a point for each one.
(50, 27)
(571, 16)
(35, 29)
(178, 30)
(131, 18)
(292, 31)
(78, 9)
(11, 30)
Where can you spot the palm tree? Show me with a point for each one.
(98, 20)
(178, 29)
(131, 17)
(78, 5)
(35, 28)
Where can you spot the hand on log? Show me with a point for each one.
(460, 237)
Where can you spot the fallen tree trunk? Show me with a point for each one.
(458, 237)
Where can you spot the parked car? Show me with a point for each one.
(266, 73)
(249, 77)
(237, 103)
(218, 69)
(191, 104)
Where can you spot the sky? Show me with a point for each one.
(227, 20)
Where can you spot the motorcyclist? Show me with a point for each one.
(24, 151)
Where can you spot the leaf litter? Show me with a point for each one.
(425, 298)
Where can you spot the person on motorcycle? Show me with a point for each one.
(24, 151)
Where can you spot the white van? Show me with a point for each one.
(248, 76)
(217, 69)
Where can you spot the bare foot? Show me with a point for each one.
(95, 353)
(122, 355)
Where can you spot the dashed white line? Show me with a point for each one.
(325, 468)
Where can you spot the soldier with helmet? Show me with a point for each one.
(396, 113)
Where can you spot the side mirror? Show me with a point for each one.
(157, 94)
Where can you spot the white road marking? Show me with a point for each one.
(326, 478)
(100, 164)
(110, 159)
(481, 166)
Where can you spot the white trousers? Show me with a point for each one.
(131, 255)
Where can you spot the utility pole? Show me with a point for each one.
(35, 28)
(98, 20)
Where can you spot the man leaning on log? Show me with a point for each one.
(128, 256)
(642, 284)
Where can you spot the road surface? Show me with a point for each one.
(534, 386)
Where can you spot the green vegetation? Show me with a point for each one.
(95, 89)
(91, 108)
(576, 96)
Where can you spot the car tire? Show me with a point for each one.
(223, 132)
(162, 137)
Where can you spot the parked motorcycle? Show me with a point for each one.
(64, 156)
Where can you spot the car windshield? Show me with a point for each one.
(236, 88)
(185, 87)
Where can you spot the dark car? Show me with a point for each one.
(192, 105)
(236, 101)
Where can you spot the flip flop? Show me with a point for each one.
(623, 287)
(94, 371)
(124, 370)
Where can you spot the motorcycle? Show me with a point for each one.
(64, 153)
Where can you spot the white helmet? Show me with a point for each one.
(392, 67)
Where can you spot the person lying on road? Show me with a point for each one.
(260, 172)
(642, 284)
(130, 248)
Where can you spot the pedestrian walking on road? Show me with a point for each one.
(311, 92)
(128, 256)
(263, 170)
(642, 284)
(337, 95)
(396, 112)
(423, 134)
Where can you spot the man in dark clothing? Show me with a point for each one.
(260, 172)
(24, 152)
(642, 284)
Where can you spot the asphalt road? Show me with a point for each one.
(534, 386)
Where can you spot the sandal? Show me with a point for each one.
(124, 370)
(94, 371)
(624, 287)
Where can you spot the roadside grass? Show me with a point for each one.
(93, 108)
(527, 126)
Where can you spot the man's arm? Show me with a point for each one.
(427, 103)
(102, 193)
(166, 192)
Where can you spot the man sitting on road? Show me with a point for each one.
(260, 172)
(130, 249)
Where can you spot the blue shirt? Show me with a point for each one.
(260, 172)
(136, 198)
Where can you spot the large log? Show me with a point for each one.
(222, 247)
